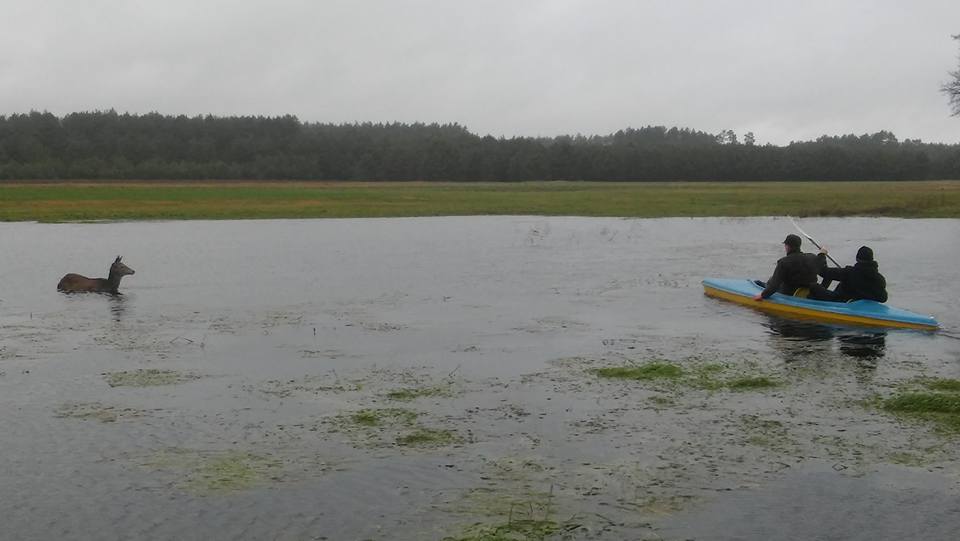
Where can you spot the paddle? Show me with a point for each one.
(815, 243)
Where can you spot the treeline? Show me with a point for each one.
(108, 145)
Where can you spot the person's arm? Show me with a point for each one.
(773, 284)
(822, 259)
(833, 273)
(825, 271)
(882, 294)
(822, 266)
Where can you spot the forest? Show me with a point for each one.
(109, 145)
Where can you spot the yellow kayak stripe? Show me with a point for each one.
(778, 308)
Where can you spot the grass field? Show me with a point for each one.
(141, 200)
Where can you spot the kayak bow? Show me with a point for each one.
(862, 312)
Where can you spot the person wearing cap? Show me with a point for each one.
(796, 274)
(861, 281)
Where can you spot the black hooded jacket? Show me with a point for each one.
(861, 281)
(794, 270)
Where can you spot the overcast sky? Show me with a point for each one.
(785, 70)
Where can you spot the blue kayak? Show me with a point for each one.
(862, 312)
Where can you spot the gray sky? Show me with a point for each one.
(786, 70)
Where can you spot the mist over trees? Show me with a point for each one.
(108, 145)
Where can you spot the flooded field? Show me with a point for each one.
(467, 378)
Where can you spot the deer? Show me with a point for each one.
(75, 283)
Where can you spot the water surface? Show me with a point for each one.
(278, 327)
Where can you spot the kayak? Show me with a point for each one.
(862, 312)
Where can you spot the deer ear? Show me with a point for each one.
(117, 260)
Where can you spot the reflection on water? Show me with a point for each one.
(118, 306)
(798, 330)
(866, 345)
(797, 339)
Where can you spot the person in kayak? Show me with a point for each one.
(796, 274)
(861, 281)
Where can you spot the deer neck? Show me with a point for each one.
(113, 280)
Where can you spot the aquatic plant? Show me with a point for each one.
(943, 384)
(943, 409)
(711, 377)
(513, 515)
(383, 417)
(662, 400)
(232, 471)
(660, 505)
(909, 459)
(385, 427)
(95, 411)
(514, 530)
(768, 433)
(146, 378)
(924, 403)
(428, 437)
(704, 376)
(746, 383)
(649, 371)
(411, 393)
(206, 472)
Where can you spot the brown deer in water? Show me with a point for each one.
(74, 283)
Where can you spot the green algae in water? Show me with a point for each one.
(706, 377)
(233, 471)
(661, 505)
(943, 384)
(767, 433)
(312, 385)
(510, 516)
(146, 378)
(95, 412)
(924, 403)
(428, 437)
(229, 471)
(366, 418)
(388, 427)
(662, 400)
(908, 459)
(748, 383)
(709, 377)
(383, 417)
(515, 468)
(412, 393)
(705, 381)
(649, 371)
(943, 409)
(514, 530)
(709, 368)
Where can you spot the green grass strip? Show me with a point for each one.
(153, 200)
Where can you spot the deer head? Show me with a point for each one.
(119, 269)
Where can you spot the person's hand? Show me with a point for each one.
(758, 297)
(823, 250)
